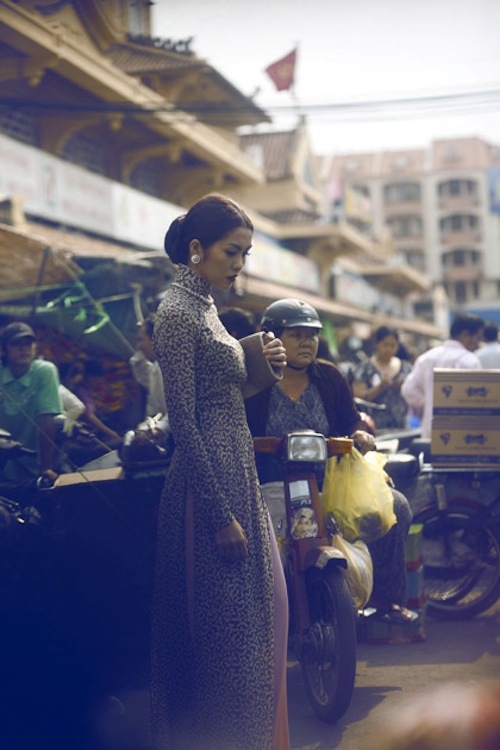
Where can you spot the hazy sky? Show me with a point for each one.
(355, 51)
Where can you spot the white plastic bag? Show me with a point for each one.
(359, 573)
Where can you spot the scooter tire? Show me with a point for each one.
(461, 556)
(329, 658)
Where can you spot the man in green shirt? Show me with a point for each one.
(29, 400)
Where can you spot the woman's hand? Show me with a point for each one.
(274, 351)
(231, 541)
(363, 441)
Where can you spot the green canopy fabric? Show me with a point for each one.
(108, 327)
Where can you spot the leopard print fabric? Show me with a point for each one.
(212, 673)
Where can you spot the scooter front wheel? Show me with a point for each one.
(328, 656)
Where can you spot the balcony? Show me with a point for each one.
(462, 273)
(460, 237)
(410, 242)
(458, 203)
(403, 208)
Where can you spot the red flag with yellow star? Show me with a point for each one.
(282, 72)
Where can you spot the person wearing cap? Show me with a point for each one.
(29, 400)
(314, 394)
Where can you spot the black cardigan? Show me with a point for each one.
(341, 411)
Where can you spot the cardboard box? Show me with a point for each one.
(466, 393)
(466, 442)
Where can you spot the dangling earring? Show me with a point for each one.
(195, 259)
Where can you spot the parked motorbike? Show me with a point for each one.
(75, 594)
(322, 615)
(459, 509)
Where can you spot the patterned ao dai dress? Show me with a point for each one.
(218, 656)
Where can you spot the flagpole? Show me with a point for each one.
(293, 92)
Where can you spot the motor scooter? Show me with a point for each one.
(459, 510)
(322, 614)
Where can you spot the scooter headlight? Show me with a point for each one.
(306, 447)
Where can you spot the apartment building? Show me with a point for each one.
(442, 207)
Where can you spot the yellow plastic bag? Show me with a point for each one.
(355, 490)
(359, 573)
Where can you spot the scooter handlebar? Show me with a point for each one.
(272, 445)
(339, 446)
(269, 445)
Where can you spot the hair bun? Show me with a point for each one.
(172, 242)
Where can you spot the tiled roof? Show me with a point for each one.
(142, 61)
(137, 61)
(278, 150)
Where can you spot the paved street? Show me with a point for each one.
(466, 651)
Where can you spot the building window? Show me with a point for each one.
(460, 292)
(86, 150)
(401, 192)
(18, 125)
(452, 155)
(413, 258)
(459, 223)
(458, 188)
(460, 257)
(362, 189)
(400, 162)
(405, 226)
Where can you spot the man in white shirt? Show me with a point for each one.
(489, 354)
(146, 371)
(457, 352)
(72, 406)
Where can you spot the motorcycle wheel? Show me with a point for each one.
(329, 656)
(461, 562)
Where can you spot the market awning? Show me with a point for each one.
(40, 282)
(73, 244)
(264, 292)
(28, 262)
(396, 279)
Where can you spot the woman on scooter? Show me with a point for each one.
(220, 608)
(314, 394)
